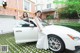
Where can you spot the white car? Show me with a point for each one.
(59, 37)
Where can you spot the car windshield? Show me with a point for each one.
(44, 23)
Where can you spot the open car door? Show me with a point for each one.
(25, 32)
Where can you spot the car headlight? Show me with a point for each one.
(73, 38)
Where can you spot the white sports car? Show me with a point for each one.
(58, 37)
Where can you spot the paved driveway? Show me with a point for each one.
(8, 39)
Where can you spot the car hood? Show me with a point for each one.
(61, 29)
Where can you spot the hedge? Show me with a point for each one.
(75, 26)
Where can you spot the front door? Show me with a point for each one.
(26, 33)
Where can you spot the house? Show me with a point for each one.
(47, 7)
(17, 7)
(14, 10)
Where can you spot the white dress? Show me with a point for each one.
(42, 42)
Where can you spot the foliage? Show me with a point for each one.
(75, 26)
(71, 14)
(71, 7)
(49, 17)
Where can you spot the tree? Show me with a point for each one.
(71, 5)
(74, 6)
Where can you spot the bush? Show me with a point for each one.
(49, 17)
(67, 13)
(75, 26)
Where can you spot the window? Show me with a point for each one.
(49, 1)
(22, 23)
(48, 5)
(27, 5)
(1, 2)
(25, 23)
(38, 1)
(38, 7)
(31, 22)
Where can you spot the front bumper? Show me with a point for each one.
(77, 45)
(73, 45)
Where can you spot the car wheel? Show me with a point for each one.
(55, 43)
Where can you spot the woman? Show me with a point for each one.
(24, 16)
(42, 38)
(38, 19)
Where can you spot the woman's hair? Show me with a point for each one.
(38, 12)
(26, 15)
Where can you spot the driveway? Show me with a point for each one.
(8, 39)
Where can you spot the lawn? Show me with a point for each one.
(8, 39)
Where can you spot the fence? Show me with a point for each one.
(55, 21)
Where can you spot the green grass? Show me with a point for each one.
(8, 39)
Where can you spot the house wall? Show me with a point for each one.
(16, 9)
(44, 15)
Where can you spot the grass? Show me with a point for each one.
(8, 39)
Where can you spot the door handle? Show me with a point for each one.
(18, 31)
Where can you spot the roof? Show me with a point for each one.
(48, 10)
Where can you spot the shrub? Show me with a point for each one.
(75, 26)
(67, 13)
(49, 17)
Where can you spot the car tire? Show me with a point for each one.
(56, 44)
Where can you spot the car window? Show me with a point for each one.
(31, 22)
(25, 23)
(44, 23)
(22, 23)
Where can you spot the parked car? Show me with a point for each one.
(59, 37)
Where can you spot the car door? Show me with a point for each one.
(27, 32)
